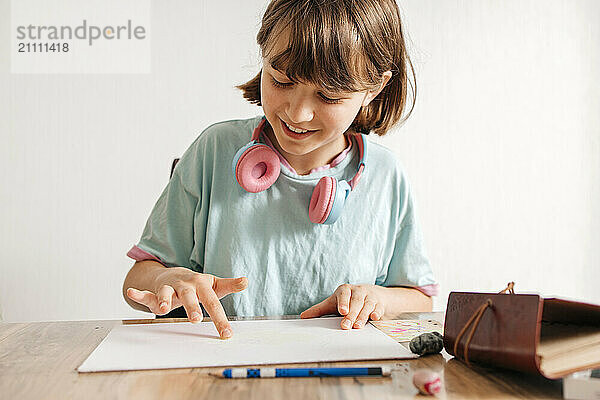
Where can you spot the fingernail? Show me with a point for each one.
(226, 333)
(358, 324)
(343, 309)
(163, 305)
(346, 324)
(195, 316)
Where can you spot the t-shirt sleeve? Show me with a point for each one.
(168, 236)
(409, 264)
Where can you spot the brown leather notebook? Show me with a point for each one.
(525, 332)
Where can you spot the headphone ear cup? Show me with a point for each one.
(322, 199)
(327, 200)
(256, 167)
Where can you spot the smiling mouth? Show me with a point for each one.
(295, 133)
(296, 129)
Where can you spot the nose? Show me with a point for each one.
(300, 109)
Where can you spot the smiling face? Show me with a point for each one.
(301, 107)
(308, 123)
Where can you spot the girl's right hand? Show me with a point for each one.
(179, 286)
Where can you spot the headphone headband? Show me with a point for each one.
(361, 141)
(258, 130)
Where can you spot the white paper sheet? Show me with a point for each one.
(186, 345)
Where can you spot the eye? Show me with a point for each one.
(278, 84)
(329, 100)
(285, 85)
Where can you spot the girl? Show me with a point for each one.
(282, 223)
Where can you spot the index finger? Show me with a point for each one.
(213, 307)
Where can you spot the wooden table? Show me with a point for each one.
(38, 361)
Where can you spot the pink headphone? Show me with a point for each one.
(256, 167)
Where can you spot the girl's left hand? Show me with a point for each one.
(358, 303)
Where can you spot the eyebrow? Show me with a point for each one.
(275, 69)
(281, 72)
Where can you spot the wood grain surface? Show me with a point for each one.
(38, 360)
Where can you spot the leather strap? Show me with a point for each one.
(475, 318)
(509, 288)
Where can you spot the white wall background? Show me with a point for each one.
(503, 149)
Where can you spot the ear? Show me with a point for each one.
(386, 76)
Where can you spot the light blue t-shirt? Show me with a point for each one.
(204, 220)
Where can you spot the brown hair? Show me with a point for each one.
(341, 45)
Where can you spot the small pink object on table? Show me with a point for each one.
(427, 381)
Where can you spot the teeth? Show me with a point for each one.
(291, 128)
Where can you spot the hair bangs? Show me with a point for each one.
(310, 44)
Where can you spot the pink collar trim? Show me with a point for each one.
(340, 157)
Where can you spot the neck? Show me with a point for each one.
(305, 163)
